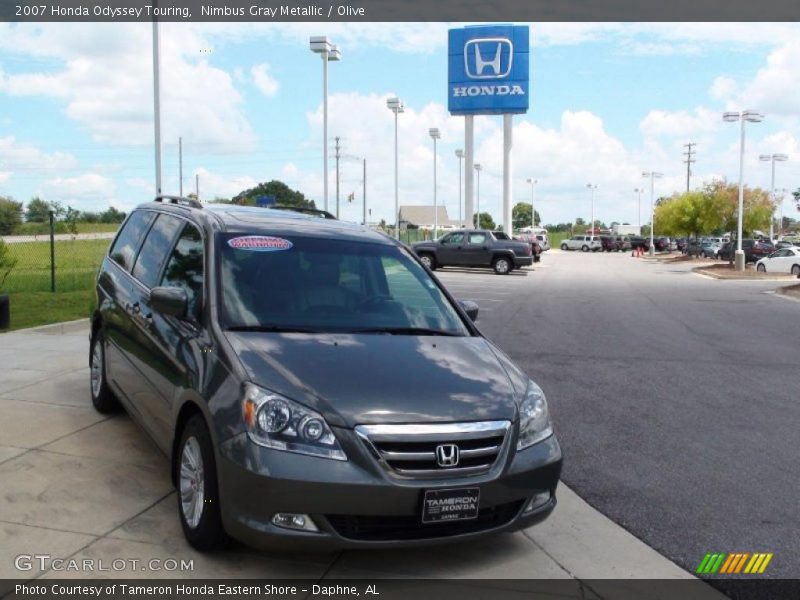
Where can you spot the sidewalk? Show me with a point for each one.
(77, 484)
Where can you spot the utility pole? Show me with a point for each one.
(197, 186)
(365, 192)
(180, 165)
(338, 147)
(689, 160)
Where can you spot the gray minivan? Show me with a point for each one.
(313, 384)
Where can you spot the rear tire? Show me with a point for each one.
(198, 493)
(564, 247)
(584, 248)
(796, 270)
(428, 260)
(502, 266)
(103, 398)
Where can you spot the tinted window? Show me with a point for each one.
(155, 249)
(124, 249)
(327, 285)
(185, 267)
(454, 238)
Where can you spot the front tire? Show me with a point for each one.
(501, 266)
(796, 270)
(761, 269)
(428, 260)
(103, 398)
(564, 247)
(584, 248)
(198, 493)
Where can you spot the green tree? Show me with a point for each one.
(521, 215)
(7, 262)
(10, 215)
(486, 221)
(38, 211)
(71, 219)
(111, 215)
(283, 193)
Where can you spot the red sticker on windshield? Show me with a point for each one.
(259, 243)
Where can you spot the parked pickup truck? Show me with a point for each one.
(474, 248)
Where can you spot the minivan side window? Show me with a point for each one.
(124, 249)
(185, 267)
(155, 249)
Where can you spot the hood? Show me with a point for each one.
(357, 379)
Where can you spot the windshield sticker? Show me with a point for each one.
(259, 243)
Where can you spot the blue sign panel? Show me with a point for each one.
(488, 70)
(264, 201)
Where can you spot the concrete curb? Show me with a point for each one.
(710, 273)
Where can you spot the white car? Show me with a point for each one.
(582, 242)
(785, 260)
(544, 243)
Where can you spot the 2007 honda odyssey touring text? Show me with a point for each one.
(313, 383)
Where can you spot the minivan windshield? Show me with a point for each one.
(315, 285)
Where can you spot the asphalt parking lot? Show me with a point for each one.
(675, 396)
(667, 428)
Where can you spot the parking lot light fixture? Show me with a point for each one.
(592, 187)
(320, 44)
(652, 175)
(459, 155)
(533, 183)
(435, 135)
(752, 116)
(396, 106)
(478, 169)
(773, 158)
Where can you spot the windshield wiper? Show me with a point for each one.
(407, 331)
(273, 328)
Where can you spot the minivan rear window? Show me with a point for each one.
(127, 243)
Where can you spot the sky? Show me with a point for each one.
(608, 101)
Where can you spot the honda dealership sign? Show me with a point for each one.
(488, 71)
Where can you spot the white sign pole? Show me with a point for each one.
(469, 170)
(508, 135)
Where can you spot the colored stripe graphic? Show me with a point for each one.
(734, 563)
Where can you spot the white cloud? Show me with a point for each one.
(89, 191)
(262, 79)
(25, 160)
(214, 185)
(681, 123)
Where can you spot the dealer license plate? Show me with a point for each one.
(450, 505)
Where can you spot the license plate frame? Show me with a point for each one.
(450, 505)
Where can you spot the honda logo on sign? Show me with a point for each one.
(447, 455)
(488, 58)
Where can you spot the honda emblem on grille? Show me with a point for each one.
(447, 455)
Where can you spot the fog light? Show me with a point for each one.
(537, 501)
(294, 521)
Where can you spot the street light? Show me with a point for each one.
(533, 183)
(592, 187)
(773, 158)
(782, 192)
(396, 106)
(478, 169)
(731, 117)
(653, 176)
(320, 44)
(460, 155)
(435, 135)
(639, 191)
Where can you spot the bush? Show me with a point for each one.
(7, 262)
(10, 215)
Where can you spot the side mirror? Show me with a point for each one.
(471, 308)
(171, 301)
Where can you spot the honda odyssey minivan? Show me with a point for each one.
(313, 384)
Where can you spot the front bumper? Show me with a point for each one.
(357, 504)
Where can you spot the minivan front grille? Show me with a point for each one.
(436, 450)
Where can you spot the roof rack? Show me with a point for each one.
(324, 214)
(179, 200)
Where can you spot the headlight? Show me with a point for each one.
(534, 420)
(280, 423)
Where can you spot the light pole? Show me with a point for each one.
(592, 187)
(320, 44)
(782, 192)
(435, 135)
(731, 117)
(460, 155)
(478, 169)
(396, 106)
(773, 158)
(653, 176)
(639, 192)
(533, 183)
(157, 103)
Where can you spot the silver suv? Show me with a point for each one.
(582, 242)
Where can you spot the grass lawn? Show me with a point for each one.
(28, 285)
(61, 227)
